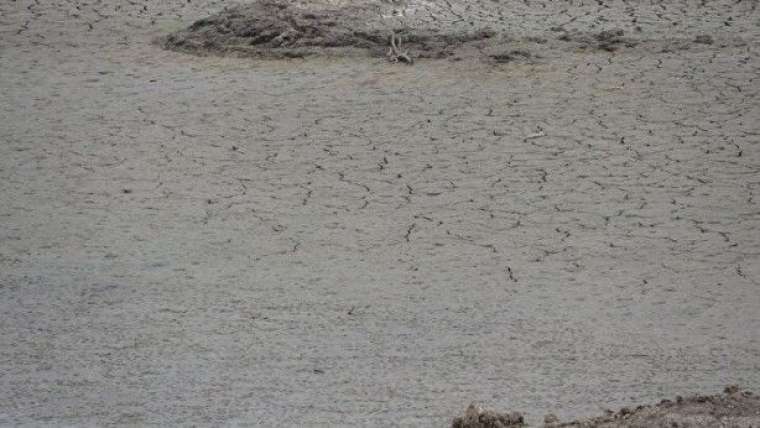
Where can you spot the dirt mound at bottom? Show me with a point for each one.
(732, 409)
(477, 417)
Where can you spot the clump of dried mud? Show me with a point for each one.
(274, 28)
(277, 29)
(477, 417)
(300, 28)
(734, 408)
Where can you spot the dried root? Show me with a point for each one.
(395, 54)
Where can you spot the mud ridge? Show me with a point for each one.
(276, 29)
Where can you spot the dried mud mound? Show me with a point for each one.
(277, 29)
(477, 417)
(270, 28)
(498, 31)
(732, 409)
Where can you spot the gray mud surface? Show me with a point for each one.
(564, 221)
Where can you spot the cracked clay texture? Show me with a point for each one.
(347, 242)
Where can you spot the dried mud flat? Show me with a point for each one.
(559, 215)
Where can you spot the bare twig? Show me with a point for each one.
(395, 54)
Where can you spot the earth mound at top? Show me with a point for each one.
(279, 29)
(496, 31)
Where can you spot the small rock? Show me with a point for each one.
(731, 389)
(704, 39)
(609, 35)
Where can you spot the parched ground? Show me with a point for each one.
(558, 223)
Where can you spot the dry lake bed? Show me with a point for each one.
(554, 209)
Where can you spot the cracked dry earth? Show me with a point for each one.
(206, 241)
